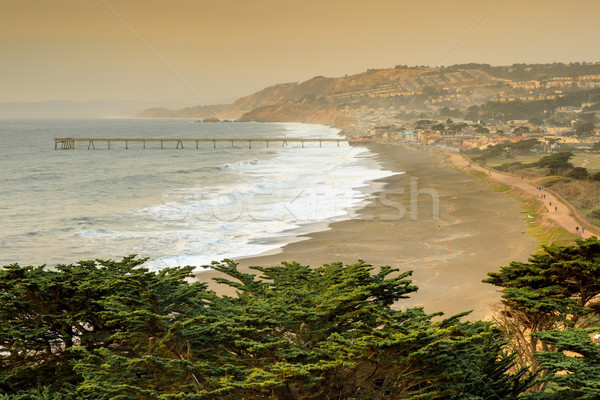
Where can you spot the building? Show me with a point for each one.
(429, 136)
(409, 136)
(555, 129)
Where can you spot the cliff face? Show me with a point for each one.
(293, 112)
(319, 86)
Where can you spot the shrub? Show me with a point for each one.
(595, 213)
(594, 177)
(556, 162)
(578, 173)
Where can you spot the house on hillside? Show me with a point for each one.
(555, 129)
(519, 122)
(429, 137)
(409, 136)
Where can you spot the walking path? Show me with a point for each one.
(557, 210)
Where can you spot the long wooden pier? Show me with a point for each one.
(69, 143)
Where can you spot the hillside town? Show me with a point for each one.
(463, 134)
(559, 112)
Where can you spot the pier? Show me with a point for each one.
(69, 143)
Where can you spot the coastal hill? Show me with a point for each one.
(321, 86)
(326, 100)
(282, 94)
(403, 88)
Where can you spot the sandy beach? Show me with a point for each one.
(478, 230)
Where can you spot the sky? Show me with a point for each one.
(212, 51)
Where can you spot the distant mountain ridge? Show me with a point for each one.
(206, 111)
(73, 109)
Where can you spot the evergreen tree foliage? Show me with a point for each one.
(574, 369)
(104, 330)
(49, 316)
(555, 290)
(556, 163)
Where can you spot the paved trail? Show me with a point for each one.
(557, 211)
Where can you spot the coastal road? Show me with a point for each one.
(557, 210)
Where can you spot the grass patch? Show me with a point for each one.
(544, 233)
(501, 187)
(479, 174)
(589, 161)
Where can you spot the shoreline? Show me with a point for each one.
(477, 232)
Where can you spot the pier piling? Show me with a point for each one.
(69, 143)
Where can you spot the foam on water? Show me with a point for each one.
(260, 201)
(178, 207)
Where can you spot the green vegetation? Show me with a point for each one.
(114, 330)
(573, 369)
(578, 173)
(501, 188)
(556, 290)
(545, 234)
(555, 163)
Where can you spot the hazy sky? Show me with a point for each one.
(197, 51)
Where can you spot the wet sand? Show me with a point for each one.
(478, 230)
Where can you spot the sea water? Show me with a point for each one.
(175, 206)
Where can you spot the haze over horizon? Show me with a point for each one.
(196, 53)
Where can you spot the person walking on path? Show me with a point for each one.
(561, 217)
(582, 230)
(577, 229)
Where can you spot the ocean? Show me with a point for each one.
(175, 206)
